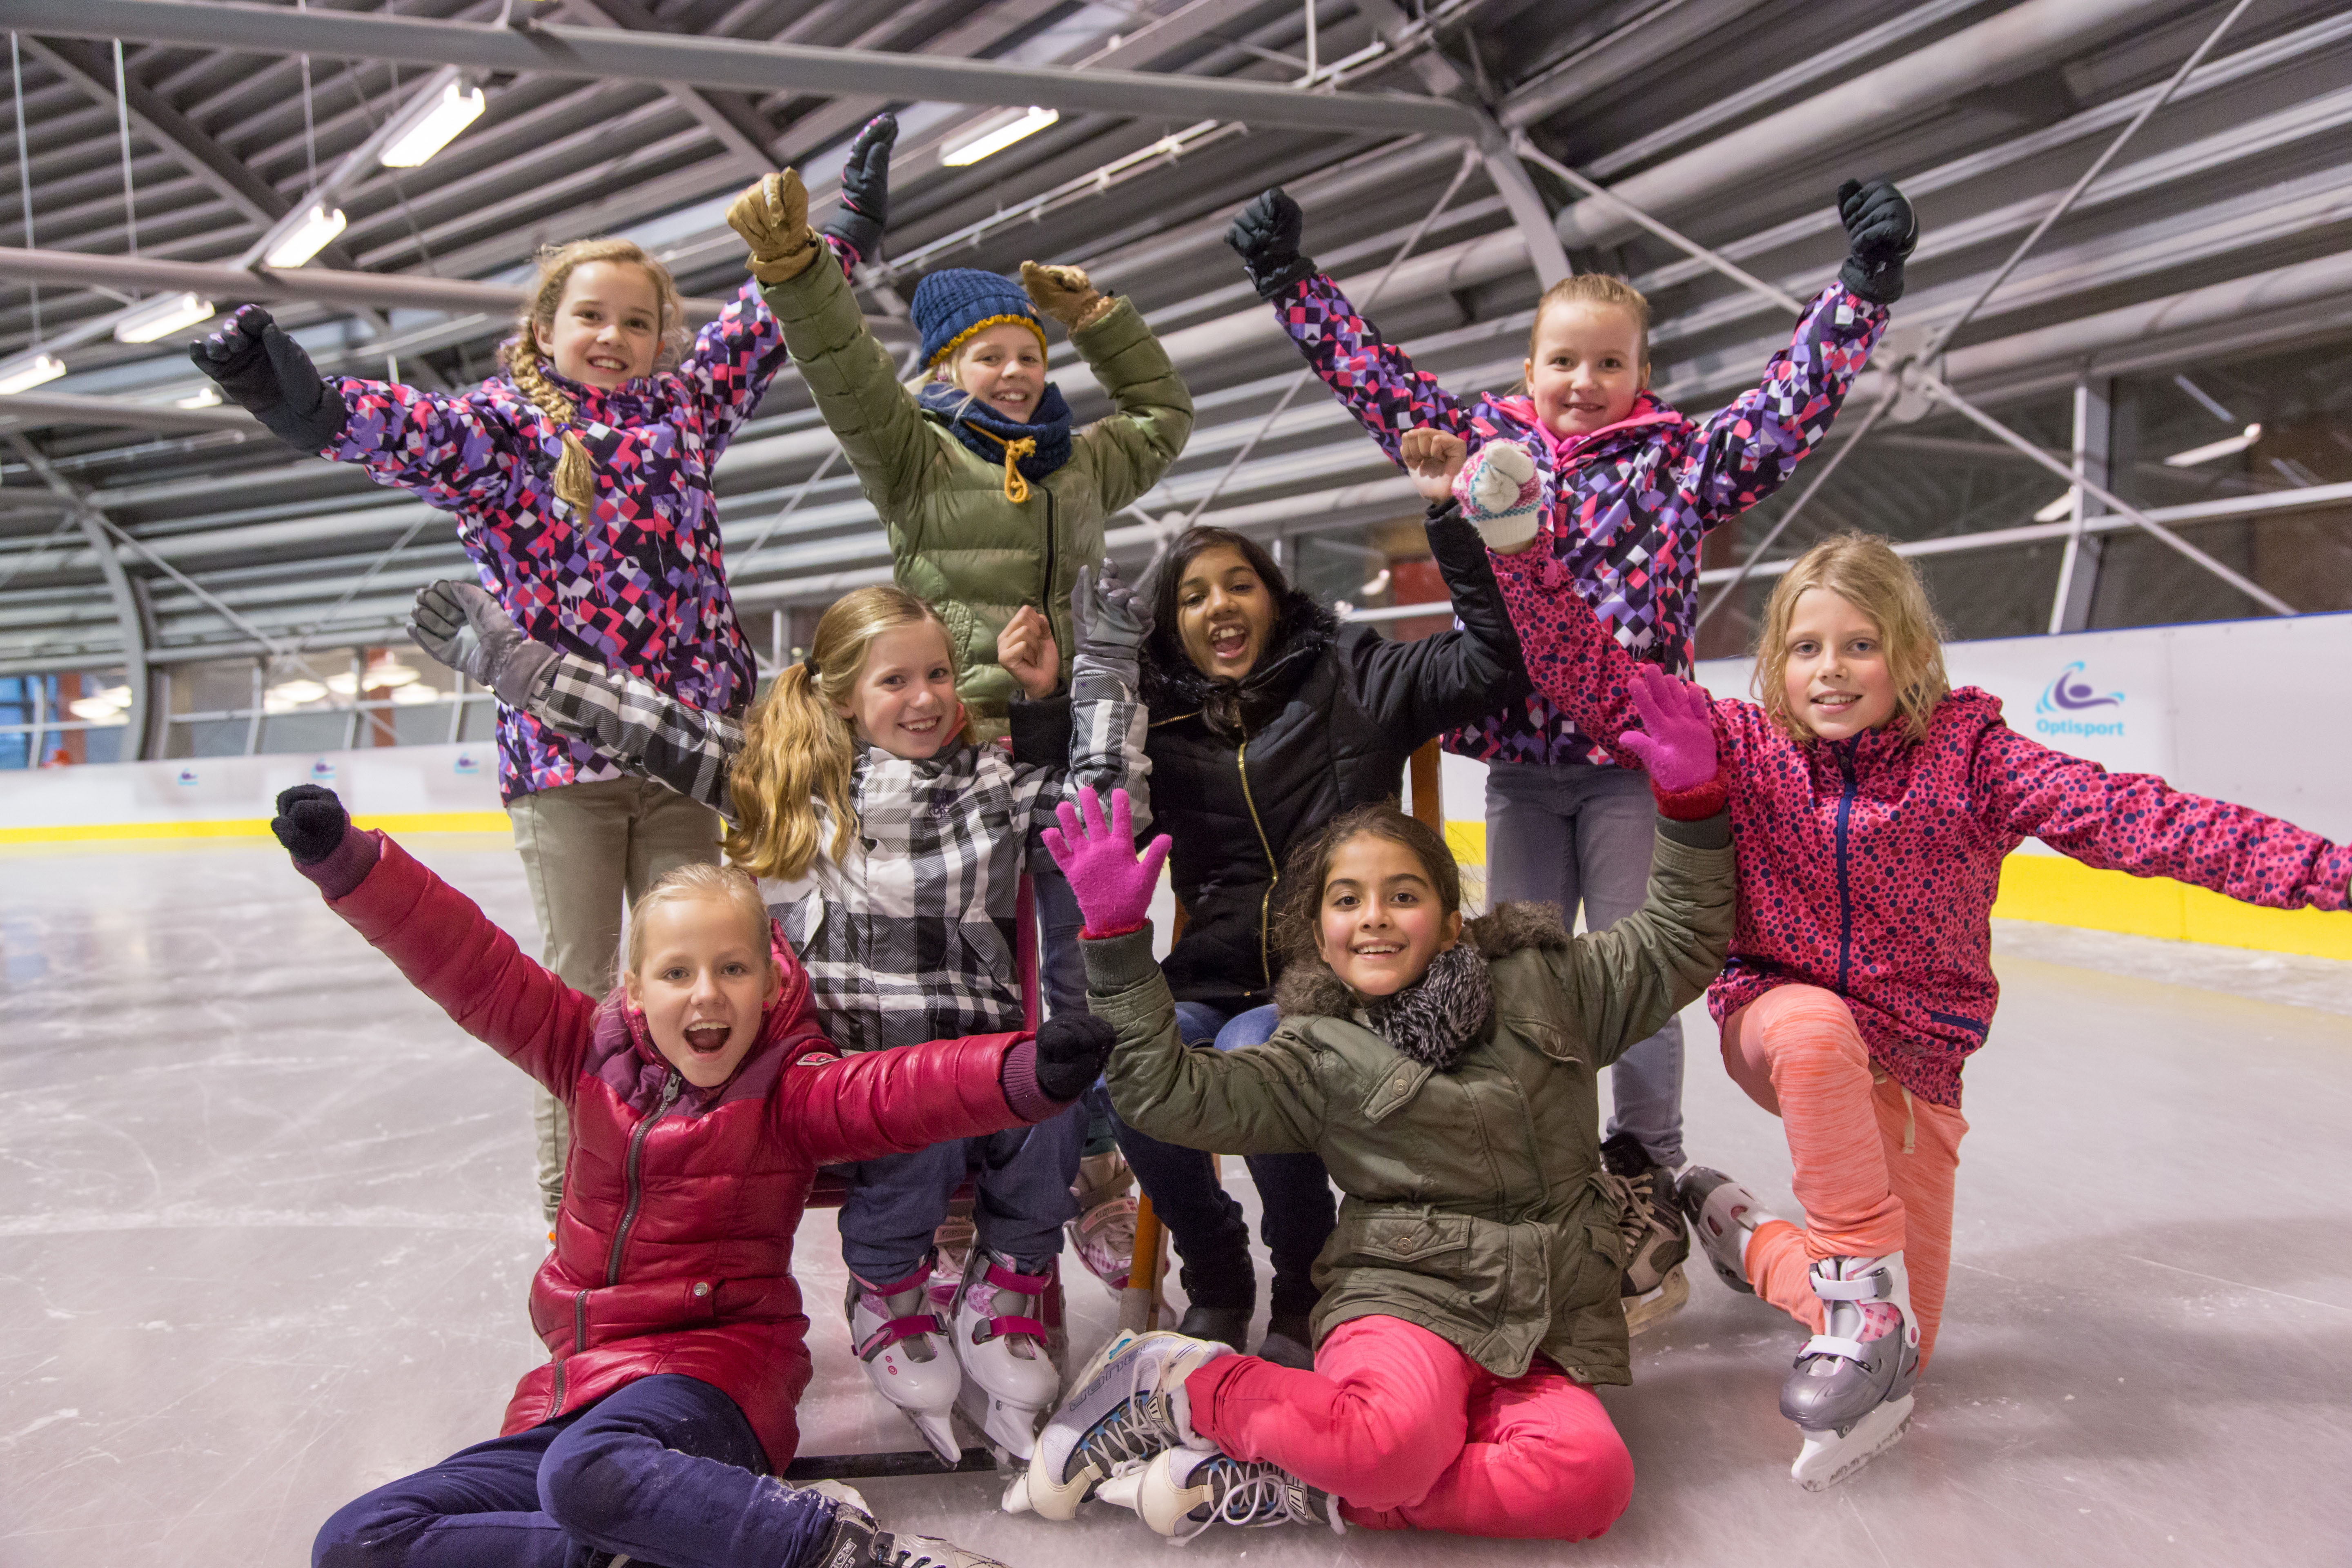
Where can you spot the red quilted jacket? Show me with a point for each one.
(1869, 866)
(674, 1247)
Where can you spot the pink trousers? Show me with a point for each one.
(1410, 1433)
(1875, 1164)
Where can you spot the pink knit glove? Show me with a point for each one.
(1675, 744)
(1113, 888)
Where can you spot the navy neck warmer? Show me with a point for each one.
(988, 433)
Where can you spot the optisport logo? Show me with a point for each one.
(2070, 694)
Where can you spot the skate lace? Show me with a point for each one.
(1632, 1198)
(1253, 1494)
(1132, 1433)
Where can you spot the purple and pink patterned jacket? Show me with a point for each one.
(640, 587)
(1635, 500)
(1869, 866)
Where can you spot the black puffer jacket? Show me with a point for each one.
(1241, 773)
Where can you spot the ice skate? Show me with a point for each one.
(1104, 1231)
(854, 1541)
(1726, 1216)
(1183, 1491)
(905, 1348)
(1851, 1396)
(1125, 1406)
(1005, 1325)
(1655, 1286)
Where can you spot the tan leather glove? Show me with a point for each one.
(772, 218)
(1064, 293)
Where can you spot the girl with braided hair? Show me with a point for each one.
(581, 483)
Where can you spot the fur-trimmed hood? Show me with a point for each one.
(1173, 685)
(1450, 1008)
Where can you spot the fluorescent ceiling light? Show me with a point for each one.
(309, 237)
(95, 710)
(344, 683)
(415, 695)
(296, 691)
(2062, 507)
(24, 374)
(1376, 587)
(162, 317)
(2227, 446)
(998, 138)
(435, 125)
(118, 695)
(209, 397)
(388, 671)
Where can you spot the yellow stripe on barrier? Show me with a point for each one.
(250, 828)
(2056, 891)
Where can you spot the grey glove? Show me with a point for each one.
(461, 626)
(1108, 611)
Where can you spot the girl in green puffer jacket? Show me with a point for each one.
(992, 498)
(1446, 1073)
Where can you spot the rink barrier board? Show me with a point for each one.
(252, 827)
(2055, 890)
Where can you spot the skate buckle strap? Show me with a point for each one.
(898, 1328)
(1871, 1286)
(1836, 1345)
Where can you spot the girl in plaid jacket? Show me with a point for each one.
(889, 848)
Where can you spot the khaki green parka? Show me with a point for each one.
(1474, 1201)
(955, 539)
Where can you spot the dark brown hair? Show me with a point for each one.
(1311, 864)
(1166, 645)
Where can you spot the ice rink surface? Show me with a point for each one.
(268, 1221)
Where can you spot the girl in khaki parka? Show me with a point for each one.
(992, 499)
(1446, 1073)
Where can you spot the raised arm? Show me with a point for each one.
(440, 940)
(2140, 824)
(1152, 411)
(1417, 689)
(1107, 723)
(726, 371)
(1747, 450)
(636, 724)
(1372, 377)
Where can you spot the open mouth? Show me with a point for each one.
(608, 364)
(1228, 642)
(707, 1040)
(921, 726)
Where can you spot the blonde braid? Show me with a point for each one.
(575, 473)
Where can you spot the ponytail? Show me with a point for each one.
(799, 751)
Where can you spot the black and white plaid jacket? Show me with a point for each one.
(912, 937)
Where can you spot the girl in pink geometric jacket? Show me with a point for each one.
(1872, 807)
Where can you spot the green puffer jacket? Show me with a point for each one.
(956, 539)
(1475, 1204)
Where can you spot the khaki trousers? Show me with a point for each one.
(589, 852)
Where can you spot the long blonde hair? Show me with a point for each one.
(799, 749)
(722, 884)
(575, 474)
(1863, 570)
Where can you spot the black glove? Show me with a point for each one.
(265, 373)
(1265, 235)
(461, 626)
(1071, 1051)
(866, 189)
(1881, 230)
(310, 822)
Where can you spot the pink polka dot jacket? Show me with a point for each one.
(1869, 866)
(640, 586)
(1632, 503)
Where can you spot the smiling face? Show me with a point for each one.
(1380, 921)
(1837, 680)
(704, 981)
(607, 326)
(1225, 613)
(1004, 367)
(1587, 369)
(905, 700)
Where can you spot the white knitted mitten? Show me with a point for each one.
(1502, 494)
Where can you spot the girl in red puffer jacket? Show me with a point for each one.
(1872, 806)
(703, 1099)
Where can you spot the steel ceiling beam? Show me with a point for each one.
(30, 410)
(735, 126)
(735, 65)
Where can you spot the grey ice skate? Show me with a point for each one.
(1183, 1491)
(1851, 1397)
(1726, 1216)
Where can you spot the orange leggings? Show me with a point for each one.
(1874, 1163)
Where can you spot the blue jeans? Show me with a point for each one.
(1211, 1238)
(1575, 831)
(896, 1203)
(665, 1470)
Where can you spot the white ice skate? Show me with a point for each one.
(1851, 1396)
(905, 1348)
(1006, 1324)
(1104, 1230)
(1125, 1406)
(1183, 1491)
(1724, 1214)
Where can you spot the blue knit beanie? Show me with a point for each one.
(952, 304)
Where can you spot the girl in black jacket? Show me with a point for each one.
(1269, 717)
